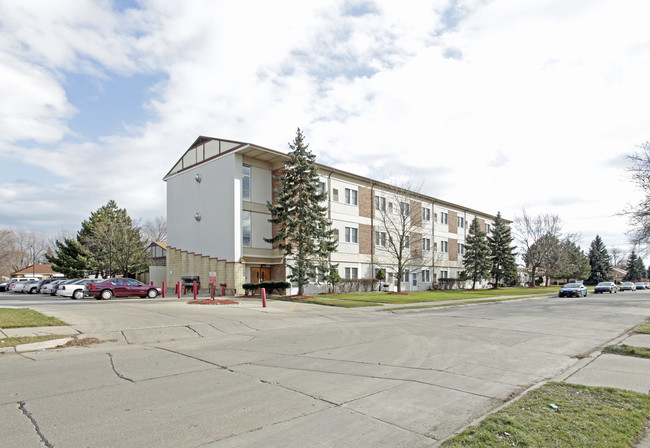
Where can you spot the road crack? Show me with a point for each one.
(26, 413)
(119, 375)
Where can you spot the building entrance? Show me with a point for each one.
(260, 275)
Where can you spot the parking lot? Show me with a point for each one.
(172, 374)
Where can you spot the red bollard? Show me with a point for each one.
(212, 288)
(223, 289)
(151, 282)
(263, 297)
(163, 289)
(194, 289)
(178, 289)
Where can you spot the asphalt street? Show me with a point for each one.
(170, 374)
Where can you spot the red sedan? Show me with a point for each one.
(120, 287)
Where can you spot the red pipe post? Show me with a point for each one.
(178, 289)
(163, 288)
(263, 297)
(212, 288)
(194, 289)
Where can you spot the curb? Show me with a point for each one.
(39, 346)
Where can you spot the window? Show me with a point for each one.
(426, 243)
(405, 208)
(322, 188)
(351, 235)
(414, 279)
(352, 273)
(461, 249)
(380, 238)
(426, 276)
(246, 183)
(390, 207)
(487, 228)
(351, 196)
(444, 246)
(426, 214)
(407, 241)
(380, 203)
(405, 276)
(444, 218)
(246, 230)
(444, 274)
(461, 222)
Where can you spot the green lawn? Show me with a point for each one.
(581, 416)
(628, 350)
(381, 298)
(17, 318)
(643, 328)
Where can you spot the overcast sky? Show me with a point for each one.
(499, 105)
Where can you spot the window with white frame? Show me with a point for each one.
(426, 276)
(426, 243)
(351, 235)
(246, 183)
(444, 218)
(351, 196)
(247, 228)
(405, 276)
(414, 279)
(380, 238)
(352, 273)
(487, 228)
(461, 249)
(461, 222)
(405, 208)
(444, 274)
(444, 246)
(426, 214)
(322, 187)
(380, 203)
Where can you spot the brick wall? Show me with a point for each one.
(453, 248)
(365, 239)
(453, 224)
(365, 202)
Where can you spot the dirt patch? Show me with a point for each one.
(84, 342)
(213, 302)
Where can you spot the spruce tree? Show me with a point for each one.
(304, 232)
(69, 259)
(599, 260)
(477, 254)
(502, 253)
(635, 268)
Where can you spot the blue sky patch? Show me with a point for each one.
(104, 106)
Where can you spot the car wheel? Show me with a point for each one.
(78, 294)
(106, 294)
(152, 293)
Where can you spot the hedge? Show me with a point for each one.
(270, 287)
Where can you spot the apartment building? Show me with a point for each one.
(217, 220)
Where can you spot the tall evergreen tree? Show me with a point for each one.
(303, 230)
(502, 253)
(69, 258)
(113, 242)
(599, 260)
(477, 254)
(635, 268)
(574, 264)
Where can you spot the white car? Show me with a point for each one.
(18, 284)
(73, 289)
(50, 288)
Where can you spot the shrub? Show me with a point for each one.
(270, 287)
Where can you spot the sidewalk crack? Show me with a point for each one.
(119, 375)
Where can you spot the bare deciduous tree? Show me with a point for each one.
(155, 230)
(538, 238)
(639, 214)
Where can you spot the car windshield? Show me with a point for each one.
(603, 284)
(572, 285)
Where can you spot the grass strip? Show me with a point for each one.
(588, 417)
(643, 328)
(628, 350)
(14, 341)
(328, 301)
(24, 317)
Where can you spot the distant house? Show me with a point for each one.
(617, 274)
(38, 271)
(157, 274)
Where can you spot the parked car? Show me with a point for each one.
(628, 286)
(50, 288)
(120, 287)
(609, 287)
(73, 289)
(573, 290)
(3, 286)
(18, 285)
(639, 285)
(31, 286)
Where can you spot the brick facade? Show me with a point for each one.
(365, 202)
(365, 239)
